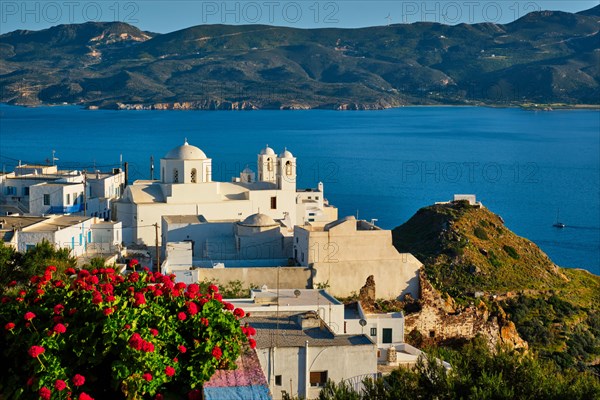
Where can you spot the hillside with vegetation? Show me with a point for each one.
(544, 58)
(469, 253)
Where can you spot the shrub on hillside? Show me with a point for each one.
(511, 252)
(481, 233)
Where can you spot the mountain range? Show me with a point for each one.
(545, 57)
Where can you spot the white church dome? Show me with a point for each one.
(186, 152)
(286, 154)
(258, 220)
(267, 151)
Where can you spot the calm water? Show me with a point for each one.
(382, 164)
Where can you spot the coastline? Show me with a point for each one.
(325, 107)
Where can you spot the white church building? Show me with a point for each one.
(186, 188)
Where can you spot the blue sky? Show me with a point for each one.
(166, 16)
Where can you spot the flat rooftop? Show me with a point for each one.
(8, 223)
(56, 223)
(287, 297)
(40, 177)
(285, 331)
(360, 225)
(193, 219)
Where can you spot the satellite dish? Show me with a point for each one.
(362, 322)
(297, 293)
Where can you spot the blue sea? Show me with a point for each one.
(523, 165)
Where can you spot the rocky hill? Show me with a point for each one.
(478, 265)
(544, 57)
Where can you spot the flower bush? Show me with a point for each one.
(99, 334)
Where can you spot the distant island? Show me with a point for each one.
(545, 59)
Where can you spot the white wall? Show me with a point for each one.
(75, 237)
(107, 186)
(340, 362)
(63, 197)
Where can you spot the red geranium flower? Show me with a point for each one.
(60, 385)
(35, 351)
(217, 353)
(192, 308)
(58, 309)
(181, 348)
(85, 396)
(148, 347)
(78, 380)
(170, 371)
(238, 312)
(147, 376)
(181, 315)
(107, 311)
(45, 393)
(213, 289)
(29, 316)
(59, 328)
(136, 342)
(154, 332)
(10, 326)
(139, 299)
(252, 343)
(97, 298)
(193, 288)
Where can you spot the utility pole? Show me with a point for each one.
(151, 168)
(84, 192)
(157, 248)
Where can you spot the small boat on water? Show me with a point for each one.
(558, 224)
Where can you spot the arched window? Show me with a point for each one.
(194, 174)
(249, 178)
(175, 175)
(288, 168)
(269, 164)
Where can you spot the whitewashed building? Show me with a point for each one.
(306, 336)
(186, 188)
(81, 235)
(64, 231)
(44, 189)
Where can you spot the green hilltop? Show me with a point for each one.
(467, 251)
